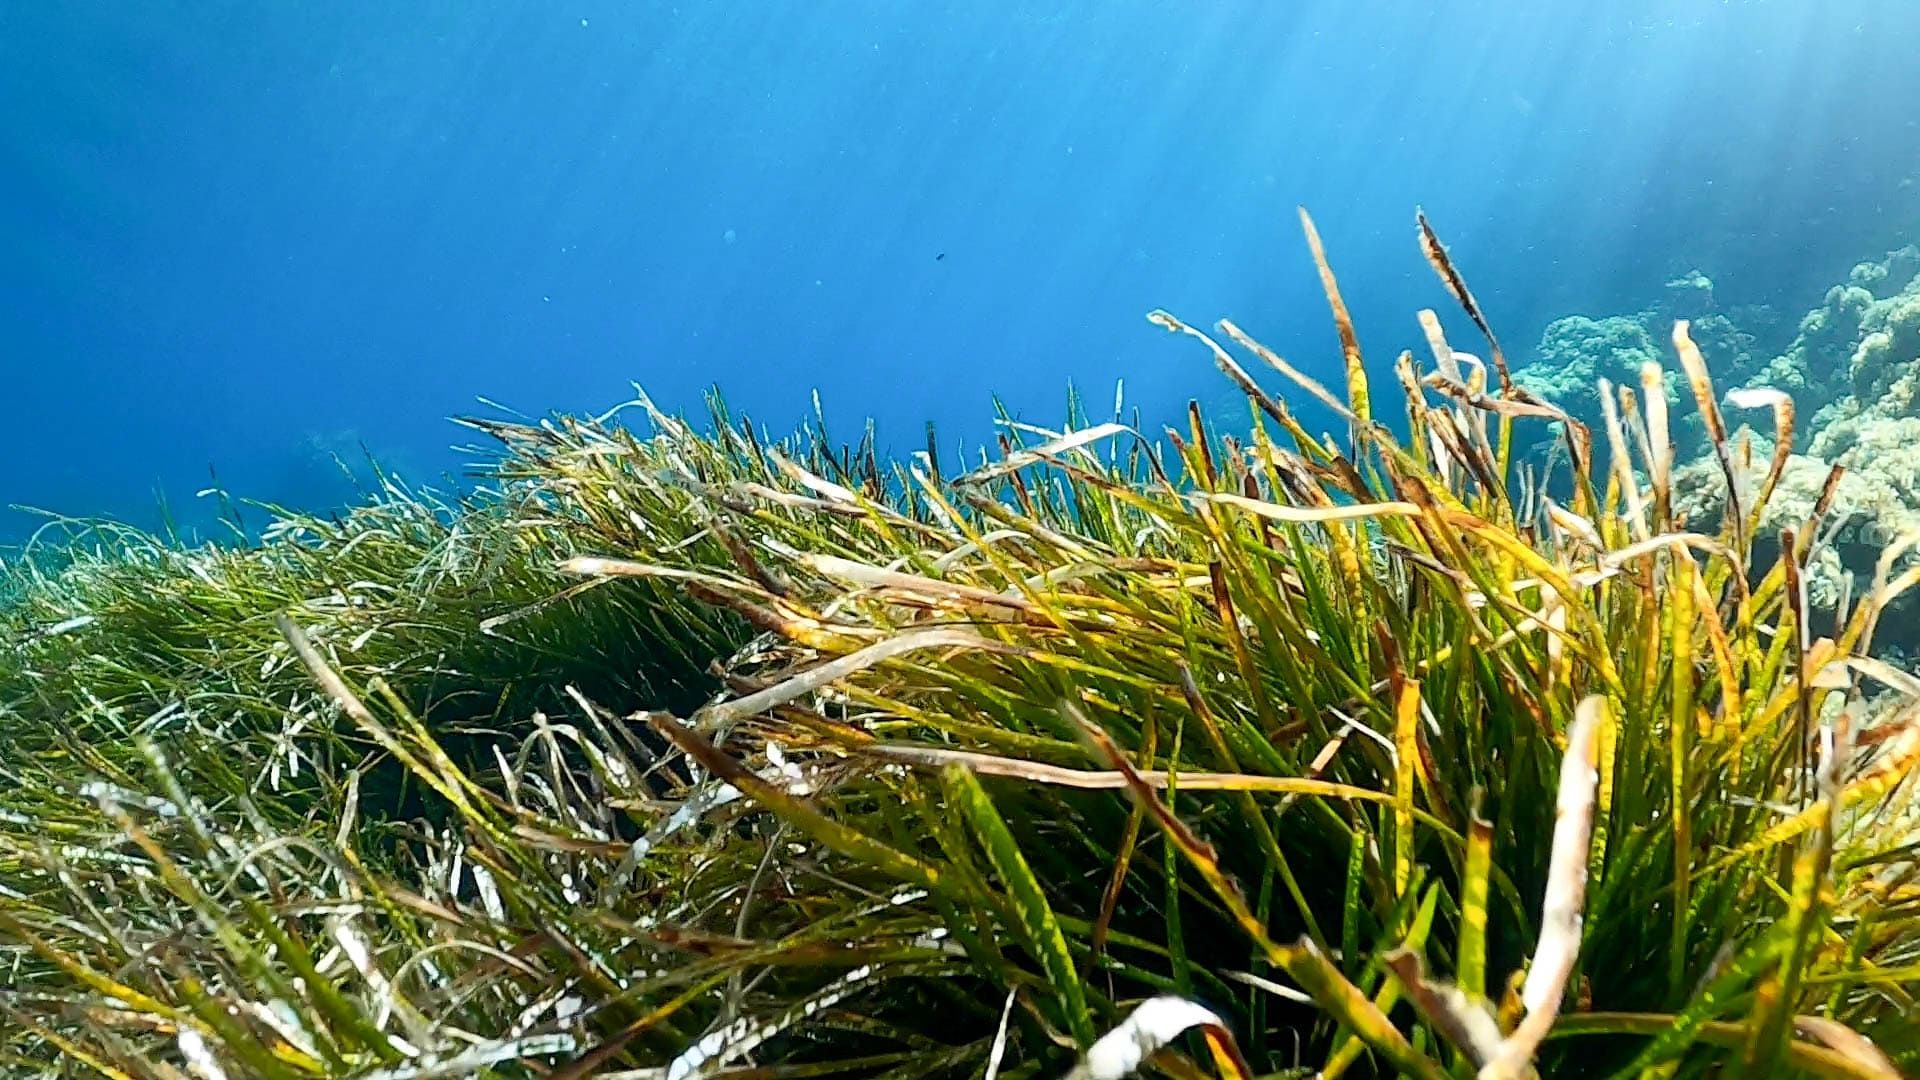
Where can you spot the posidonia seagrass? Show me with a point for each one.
(695, 753)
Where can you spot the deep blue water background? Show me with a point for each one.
(238, 236)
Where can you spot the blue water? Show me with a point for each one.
(240, 236)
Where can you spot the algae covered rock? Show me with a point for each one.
(1854, 367)
(1729, 347)
(1889, 346)
(1827, 335)
(1853, 344)
(1576, 352)
(1890, 275)
(1690, 296)
(1853, 370)
(1869, 508)
(1879, 495)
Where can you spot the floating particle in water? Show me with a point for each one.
(729, 236)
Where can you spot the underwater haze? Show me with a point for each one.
(242, 237)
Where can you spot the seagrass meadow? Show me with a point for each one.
(684, 752)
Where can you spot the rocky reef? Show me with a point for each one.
(1852, 368)
(1577, 351)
